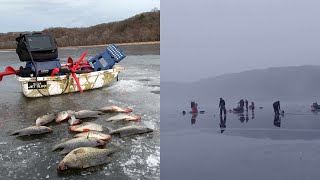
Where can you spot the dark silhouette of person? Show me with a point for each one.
(222, 106)
(194, 107)
(183, 112)
(277, 120)
(276, 107)
(223, 124)
(241, 104)
(240, 108)
(252, 106)
(246, 102)
(193, 118)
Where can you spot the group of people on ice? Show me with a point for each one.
(242, 105)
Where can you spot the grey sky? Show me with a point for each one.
(35, 15)
(212, 37)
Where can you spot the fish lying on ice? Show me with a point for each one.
(72, 144)
(108, 109)
(131, 130)
(124, 117)
(89, 126)
(73, 121)
(94, 134)
(85, 157)
(45, 119)
(63, 115)
(86, 114)
(32, 130)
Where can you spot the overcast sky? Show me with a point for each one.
(35, 15)
(206, 38)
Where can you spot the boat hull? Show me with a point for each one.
(57, 85)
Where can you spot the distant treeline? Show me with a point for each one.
(143, 27)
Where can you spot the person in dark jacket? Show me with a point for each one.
(240, 108)
(241, 104)
(246, 102)
(222, 106)
(252, 106)
(276, 107)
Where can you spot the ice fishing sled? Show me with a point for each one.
(44, 75)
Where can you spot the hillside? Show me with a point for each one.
(139, 28)
(283, 83)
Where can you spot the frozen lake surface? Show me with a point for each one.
(253, 145)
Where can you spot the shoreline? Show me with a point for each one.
(122, 44)
(98, 45)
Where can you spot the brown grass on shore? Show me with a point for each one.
(99, 45)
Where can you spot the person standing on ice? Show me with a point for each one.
(194, 107)
(222, 106)
(252, 106)
(276, 107)
(246, 102)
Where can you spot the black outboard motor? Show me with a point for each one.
(43, 47)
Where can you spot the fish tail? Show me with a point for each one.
(108, 120)
(57, 146)
(107, 129)
(15, 133)
(127, 110)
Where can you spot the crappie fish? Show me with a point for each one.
(131, 130)
(32, 130)
(85, 157)
(63, 115)
(73, 121)
(88, 126)
(72, 144)
(108, 109)
(124, 117)
(94, 134)
(45, 119)
(86, 114)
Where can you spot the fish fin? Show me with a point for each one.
(64, 151)
(86, 130)
(106, 129)
(108, 160)
(56, 147)
(88, 164)
(109, 120)
(96, 116)
(79, 151)
(114, 148)
(113, 122)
